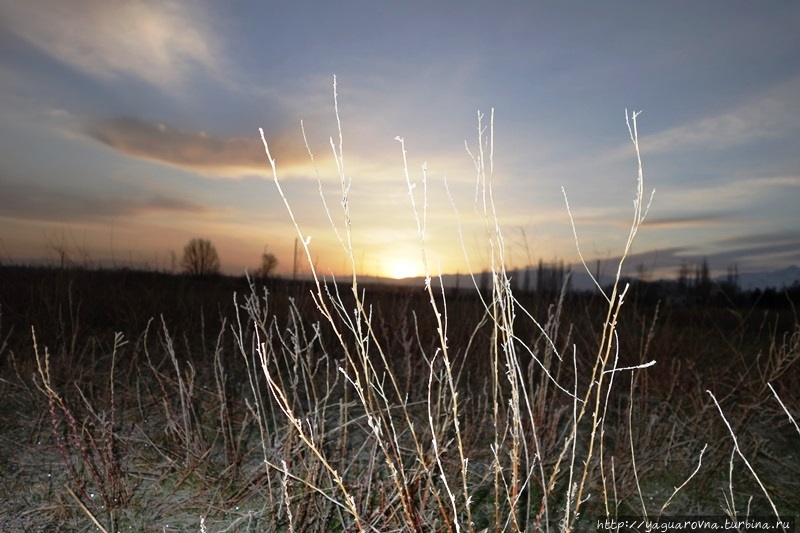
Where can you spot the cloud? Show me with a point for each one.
(159, 43)
(34, 202)
(761, 239)
(732, 196)
(777, 181)
(769, 115)
(761, 252)
(751, 253)
(680, 221)
(196, 150)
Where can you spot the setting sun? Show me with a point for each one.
(400, 269)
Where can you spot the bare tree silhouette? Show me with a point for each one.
(200, 258)
(268, 264)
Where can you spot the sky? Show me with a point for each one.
(129, 128)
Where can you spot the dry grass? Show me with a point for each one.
(341, 407)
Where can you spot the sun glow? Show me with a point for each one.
(400, 269)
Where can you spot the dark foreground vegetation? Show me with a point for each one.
(154, 402)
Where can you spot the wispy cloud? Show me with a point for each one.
(159, 43)
(765, 252)
(777, 181)
(32, 202)
(760, 239)
(195, 150)
(767, 116)
(690, 220)
(770, 114)
(750, 253)
(731, 194)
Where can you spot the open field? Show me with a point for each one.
(149, 401)
(153, 402)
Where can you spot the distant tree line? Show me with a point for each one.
(694, 286)
(545, 278)
(200, 258)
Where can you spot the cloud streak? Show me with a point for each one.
(750, 253)
(732, 196)
(765, 117)
(769, 115)
(32, 202)
(195, 150)
(682, 221)
(159, 43)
